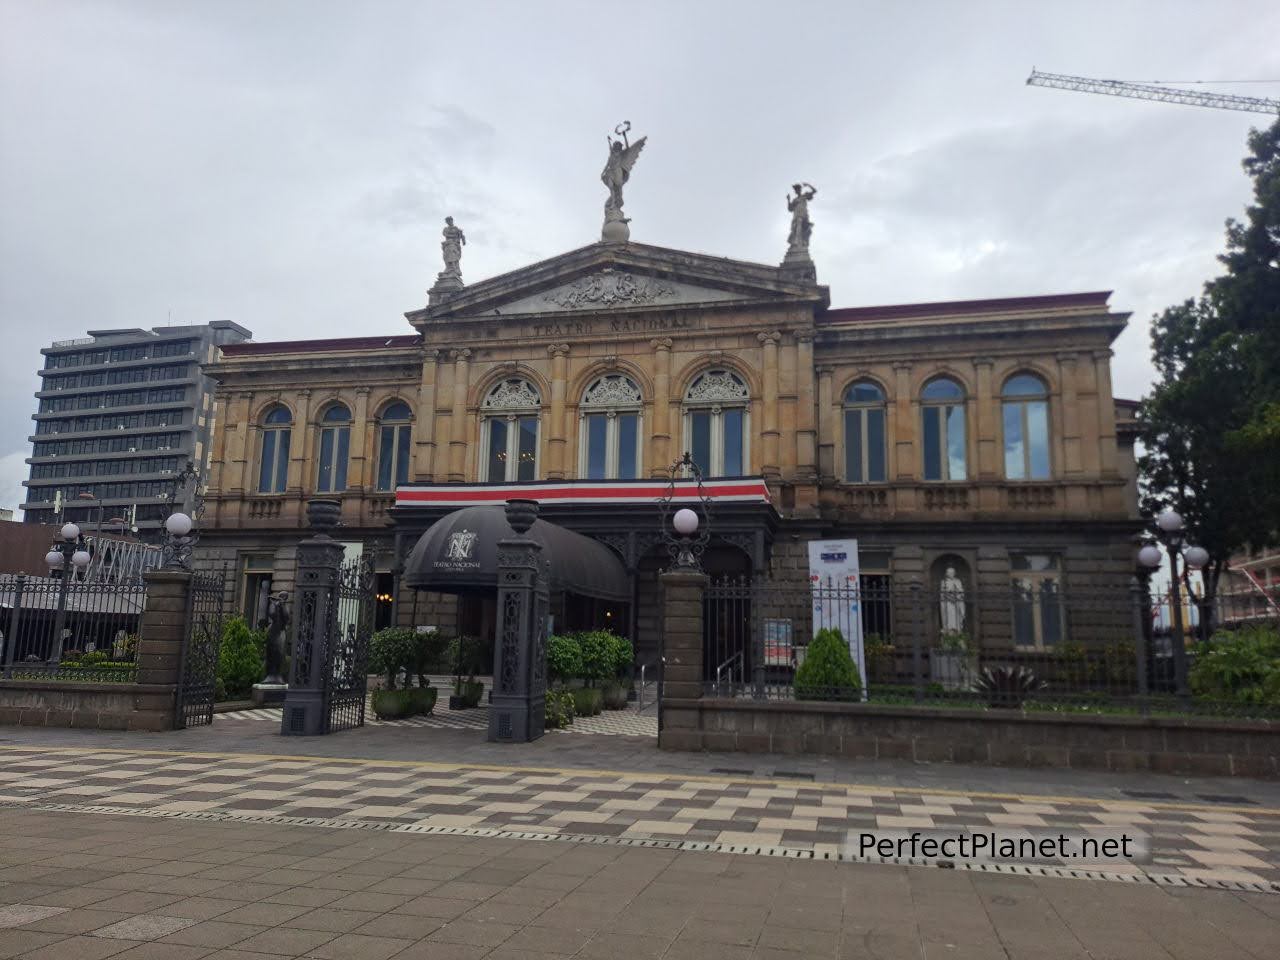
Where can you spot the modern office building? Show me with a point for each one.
(119, 415)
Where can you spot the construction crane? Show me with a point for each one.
(1147, 91)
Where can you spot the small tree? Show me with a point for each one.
(241, 658)
(599, 656)
(828, 671)
(564, 658)
(391, 651)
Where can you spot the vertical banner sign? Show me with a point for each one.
(837, 600)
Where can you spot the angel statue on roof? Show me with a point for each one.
(617, 171)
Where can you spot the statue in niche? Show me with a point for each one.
(451, 246)
(801, 225)
(951, 603)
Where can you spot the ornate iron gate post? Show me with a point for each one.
(315, 622)
(520, 644)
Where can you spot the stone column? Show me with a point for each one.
(827, 425)
(904, 427)
(681, 658)
(518, 711)
(315, 623)
(1068, 462)
(806, 429)
(425, 426)
(301, 446)
(770, 462)
(1107, 453)
(162, 633)
(987, 407)
(557, 445)
(357, 469)
(660, 452)
(458, 416)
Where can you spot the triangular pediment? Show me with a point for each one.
(620, 278)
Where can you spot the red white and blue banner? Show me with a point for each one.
(581, 492)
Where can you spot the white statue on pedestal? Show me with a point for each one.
(951, 594)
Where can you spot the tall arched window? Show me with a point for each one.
(715, 423)
(610, 435)
(509, 432)
(942, 411)
(394, 434)
(864, 433)
(273, 465)
(1025, 400)
(335, 446)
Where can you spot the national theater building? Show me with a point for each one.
(975, 435)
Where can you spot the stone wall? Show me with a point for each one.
(1186, 747)
(100, 706)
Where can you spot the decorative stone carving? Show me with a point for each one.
(617, 171)
(609, 289)
(558, 350)
(661, 343)
(772, 337)
(718, 386)
(463, 354)
(451, 247)
(613, 390)
(515, 393)
(801, 225)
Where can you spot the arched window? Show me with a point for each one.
(1025, 400)
(864, 433)
(610, 434)
(715, 423)
(394, 446)
(509, 432)
(335, 446)
(942, 412)
(273, 464)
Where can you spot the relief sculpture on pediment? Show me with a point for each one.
(610, 289)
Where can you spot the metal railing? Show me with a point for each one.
(1031, 646)
(64, 628)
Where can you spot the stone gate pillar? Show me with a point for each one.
(315, 613)
(682, 591)
(520, 638)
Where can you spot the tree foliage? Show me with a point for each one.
(1211, 425)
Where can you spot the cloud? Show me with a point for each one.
(12, 472)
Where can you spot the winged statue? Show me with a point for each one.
(617, 170)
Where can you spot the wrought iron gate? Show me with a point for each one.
(200, 650)
(346, 673)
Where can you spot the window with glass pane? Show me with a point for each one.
(528, 451)
(943, 430)
(273, 469)
(509, 432)
(335, 443)
(394, 439)
(1037, 601)
(497, 460)
(610, 409)
(864, 434)
(1026, 428)
(716, 423)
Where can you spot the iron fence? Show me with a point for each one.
(66, 628)
(1031, 646)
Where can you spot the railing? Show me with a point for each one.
(61, 628)
(1031, 646)
(648, 677)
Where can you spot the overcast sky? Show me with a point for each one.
(288, 165)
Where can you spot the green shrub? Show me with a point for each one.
(587, 701)
(1239, 666)
(564, 658)
(615, 696)
(624, 655)
(600, 654)
(391, 651)
(423, 699)
(241, 658)
(466, 653)
(828, 671)
(559, 712)
(429, 649)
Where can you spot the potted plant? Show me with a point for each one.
(949, 661)
(467, 690)
(390, 651)
(423, 698)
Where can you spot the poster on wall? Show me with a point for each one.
(834, 583)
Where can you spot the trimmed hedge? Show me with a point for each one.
(828, 671)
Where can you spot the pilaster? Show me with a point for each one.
(358, 469)
(425, 421)
(558, 442)
(1069, 419)
(660, 422)
(771, 463)
(458, 415)
(904, 426)
(826, 426)
(986, 408)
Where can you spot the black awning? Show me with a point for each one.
(459, 554)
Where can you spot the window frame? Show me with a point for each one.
(1027, 587)
(941, 407)
(332, 477)
(401, 460)
(275, 431)
(612, 411)
(863, 409)
(1022, 403)
(716, 406)
(496, 407)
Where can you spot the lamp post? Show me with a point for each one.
(180, 538)
(1169, 531)
(67, 557)
(685, 532)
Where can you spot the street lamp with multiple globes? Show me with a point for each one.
(1169, 531)
(67, 558)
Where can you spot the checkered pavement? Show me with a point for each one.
(1197, 843)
